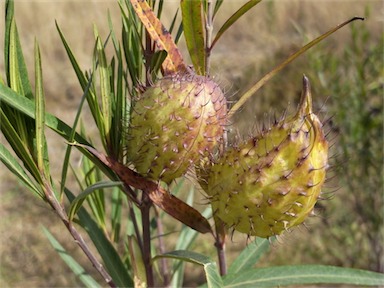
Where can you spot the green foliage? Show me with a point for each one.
(118, 221)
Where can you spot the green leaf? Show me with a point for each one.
(210, 268)
(107, 251)
(84, 277)
(105, 94)
(236, 16)
(302, 274)
(116, 214)
(18, 170)
(41, 144)
(186, 238)
(27, 107)
(18, 145)
(247, 95)
(192, 18)
(18, 73)
(77, 203)
(250, 255)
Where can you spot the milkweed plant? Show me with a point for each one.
(164, 127)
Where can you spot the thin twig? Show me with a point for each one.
(49, 194)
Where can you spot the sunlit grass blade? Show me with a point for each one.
(236, 16)
(303, 274)
(192, 18)
(278, 68)
(210, 268)
(77, 203)
(14, 166)
(108, 253)
(79, 271)
(250, 255)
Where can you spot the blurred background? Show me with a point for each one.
(347, 76)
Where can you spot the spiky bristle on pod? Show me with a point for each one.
(173, 122)
(271, 182)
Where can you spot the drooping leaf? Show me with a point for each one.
(210, 268)
(192, 18)
(160, 197)
(302, 274)
(77, 203)
(79, 271)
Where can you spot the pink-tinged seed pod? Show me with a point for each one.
(271, 182)
(173, 123)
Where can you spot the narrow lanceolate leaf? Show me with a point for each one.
(249, 256)
(27, 107)
(18, 146)
(79, 271)
(303, 274)
(107, 251)
(77, 203)
(18, 74)
(105, 93)
(194, 34)
(159, 34)
(236, 16)
(41, 145)
(247, 95)
(210, 268)
(18, 170)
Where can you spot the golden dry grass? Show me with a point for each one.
(27, 259)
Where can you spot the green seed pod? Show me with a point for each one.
(271, 182)
(172, 123)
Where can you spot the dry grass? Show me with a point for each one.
(26, 256)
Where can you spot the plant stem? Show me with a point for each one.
(49, 194)
(220, 237)
(146, 252)
(208, 36)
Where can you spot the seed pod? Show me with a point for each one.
(271, 182)
(172, 123)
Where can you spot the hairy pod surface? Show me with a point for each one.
(271, 182)
(173, 122)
